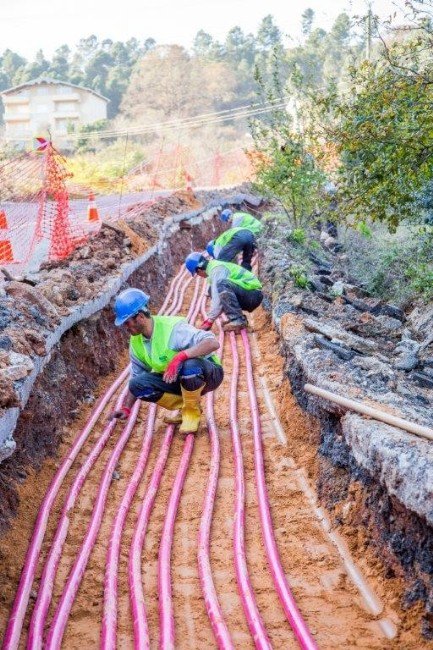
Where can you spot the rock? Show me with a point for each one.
(5, 343)
(341, 351)
(389, 310)
(337, 289)
(14, 372)
(36, 341)
(407, 361)
(27, 293)
(422, 379)
(336, 333)
(8, 395)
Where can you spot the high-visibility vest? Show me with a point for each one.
(226, 236)
(160, 354)
(248, 222)
(238, 275)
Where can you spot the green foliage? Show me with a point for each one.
(298, 236)
(299, 275)
(381, 131)
(364, 229)
(397, 267)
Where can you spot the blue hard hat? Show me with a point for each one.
(225, 215)
(128, 304)
(193, 262)
(210, 247)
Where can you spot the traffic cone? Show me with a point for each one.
(3, 222)
(188, 185)
(92, 210)
(6, 254)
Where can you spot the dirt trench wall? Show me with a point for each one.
(374, 479)
(87, 350)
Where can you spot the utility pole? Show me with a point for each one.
(369, 27)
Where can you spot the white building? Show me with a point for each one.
(46, 105)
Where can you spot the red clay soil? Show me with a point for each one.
(329, 601)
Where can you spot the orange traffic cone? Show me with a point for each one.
(188, 185)
(6, 254)
(92, 210)
(3, 222)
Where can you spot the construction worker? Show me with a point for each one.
(242, 220)
(172, 362)
(233, 241)
(233, 289)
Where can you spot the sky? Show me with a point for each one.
(29, 25)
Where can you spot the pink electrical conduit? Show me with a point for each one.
(13, 631)
(141, 631)
(292, 612)
(213, 608)
(37, 623)
(63, 609)
(246, 593)
(109, 622)
(166, 615)
(139, 618)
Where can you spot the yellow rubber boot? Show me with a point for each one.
(171, 403)
(191, 411)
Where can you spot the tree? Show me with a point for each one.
(268, 35)
(307, 20)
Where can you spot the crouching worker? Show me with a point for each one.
(233, 241)
(172, 363)
(233, 289)
(242, 220)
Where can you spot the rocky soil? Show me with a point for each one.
(371, 476)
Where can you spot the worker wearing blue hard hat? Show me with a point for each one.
(172, 362)
(239, 219)
(233, 289)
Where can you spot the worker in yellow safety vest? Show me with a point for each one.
(233, 289)
(172, 363)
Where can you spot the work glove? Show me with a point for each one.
(206, 324)
(121, 414)
(173, 367)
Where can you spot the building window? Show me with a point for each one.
(64, 125)
(66, 107)
(41, 108)
(43, 90)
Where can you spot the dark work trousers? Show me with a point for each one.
(194, 373)
(234, 299)
(242, 241)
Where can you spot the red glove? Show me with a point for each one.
(122, 414)
(206, 324)
(173, 367)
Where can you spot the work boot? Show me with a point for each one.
(235, 325)
(171, 402)
(191, 410)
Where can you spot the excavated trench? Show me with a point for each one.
(347, 596)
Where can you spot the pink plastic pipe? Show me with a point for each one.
(109, 621)
(37, 623)
(13, 631)
(62, 612)
(213, 607)
(286, 597)
(166, 614)
(246, 593)
(141, 631)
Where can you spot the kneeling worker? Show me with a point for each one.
(231, 242)
(233, 289)
(172, 362)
